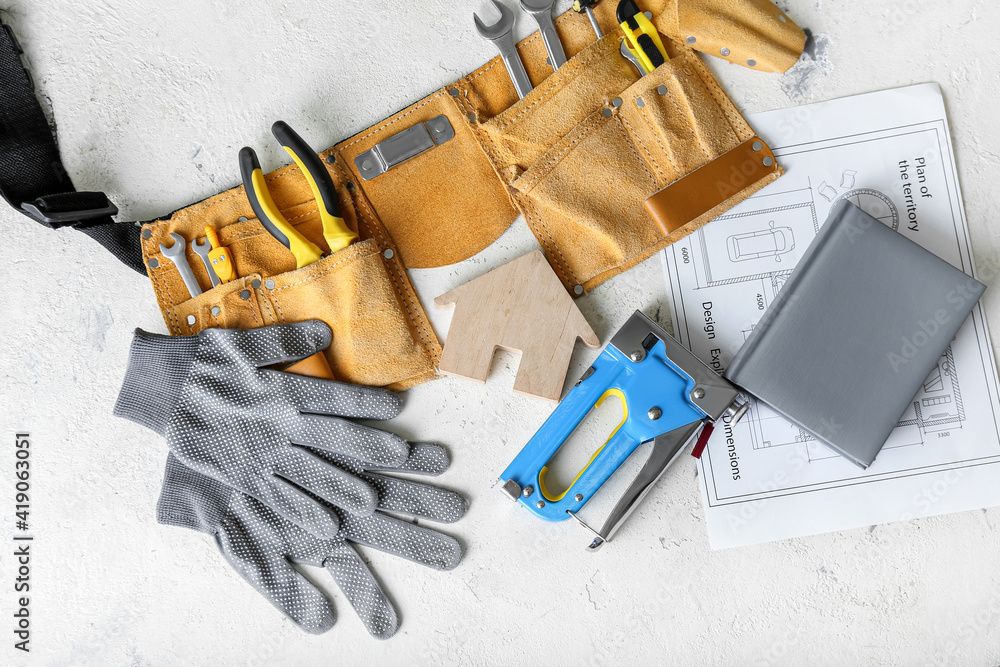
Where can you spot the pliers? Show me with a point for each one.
(337, 234)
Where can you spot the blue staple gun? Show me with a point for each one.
(668, 396)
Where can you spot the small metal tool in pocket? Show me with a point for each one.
(541, 10)
(176, 254)
(501, 34)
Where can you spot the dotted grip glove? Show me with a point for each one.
(226, 416)
(261, 545)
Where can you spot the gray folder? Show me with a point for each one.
(853, 334)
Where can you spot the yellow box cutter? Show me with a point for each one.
(643, 45)
(338, 236)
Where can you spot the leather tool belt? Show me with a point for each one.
(606, 167)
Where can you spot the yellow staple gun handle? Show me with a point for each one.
(553, 497)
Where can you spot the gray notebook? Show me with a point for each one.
(855, 331)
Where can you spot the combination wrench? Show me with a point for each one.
(175, 254)
(201, 248)
(501, 34)
(541, 10)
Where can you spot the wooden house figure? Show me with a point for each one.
(521, 307)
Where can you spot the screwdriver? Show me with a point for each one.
(582, 6)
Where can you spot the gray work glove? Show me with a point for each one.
(226, 416)
(261, 545)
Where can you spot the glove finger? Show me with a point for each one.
(419, 544)
(329, 482)
(417, 499)
(362, 590)
(425, 459)
(298, 507)
(277, 580)
(339, 436)
(279, 343)
(325, 397)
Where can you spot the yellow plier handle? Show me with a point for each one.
(305, 251)
(338, 236)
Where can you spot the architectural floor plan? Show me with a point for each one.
(764, 478)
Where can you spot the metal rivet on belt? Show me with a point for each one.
(768, 161)
(245, 295)
(691, 39)
(606, 112)
(147, 233)
(331, 159)
(578, 290)
(350, 185)
(639, 102)
(388, 254)
(725, 51)
(617, 102)
(255, 283)
(154, 263)
(472, 118)
(752, 62)
(269, 284)
(243, 218)
(454, 92)
(757, 145)
(192, 319)
(215, 311)
(648, 15)
(661, 89)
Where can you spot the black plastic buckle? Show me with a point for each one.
(36, 211)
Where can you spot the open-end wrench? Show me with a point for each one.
(542, 11)
(201, 248)
(501, 34)
(175, 254)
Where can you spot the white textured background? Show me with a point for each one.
(152, 101)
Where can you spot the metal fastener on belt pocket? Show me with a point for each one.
(402, 146)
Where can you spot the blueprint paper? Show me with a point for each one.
(765, 479)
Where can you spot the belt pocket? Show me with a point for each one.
(521, 135)
(352, 291)
(584, 196)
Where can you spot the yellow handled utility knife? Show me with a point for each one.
(642, 45)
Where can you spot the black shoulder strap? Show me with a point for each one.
(32, 177)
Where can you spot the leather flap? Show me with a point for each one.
(695, 194)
